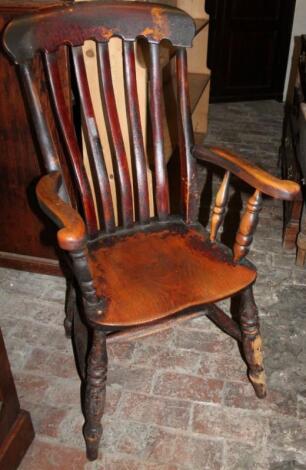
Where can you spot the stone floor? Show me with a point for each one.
(179, 400)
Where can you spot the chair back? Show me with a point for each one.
(70, 27)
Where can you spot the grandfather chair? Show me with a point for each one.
(143, 272)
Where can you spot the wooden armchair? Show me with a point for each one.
(144, 271)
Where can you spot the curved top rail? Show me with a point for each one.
(99, 21)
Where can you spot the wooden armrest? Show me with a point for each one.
(73, 234)
(254, 176)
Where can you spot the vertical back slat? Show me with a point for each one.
(71, 142)
(189, 190)
(136, 131)
(45, 139)
(112, 120)
(161, 179)
(93, 139)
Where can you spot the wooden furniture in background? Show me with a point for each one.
(248, 48)
(293, 151)
(198, 73)
(149, 271)
(27, 240)
(16, 429)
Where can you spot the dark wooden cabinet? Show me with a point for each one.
(248, 47)
(26, 238)
(16, 429)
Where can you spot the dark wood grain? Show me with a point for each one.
(16, 429)
(43, 133)
(112, 119)
(92, 135)
(74, 24)
(71, 142)
(21, 159)
(137, 146)
(160, 174)
(189, 191)
(248, 48)
(254, 176)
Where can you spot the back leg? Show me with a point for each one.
(70, 307)
(251, 341)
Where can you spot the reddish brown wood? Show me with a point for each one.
(94, 148)
(247, 226)
(16, 429)
(189, 191)
(21, 160)
(112, 119)
(136, 131)
(254, 176)
(71, 142)
(30, 263)
(161, 178)
(74, 24)
(73, 234)
(149, 271)
(220, 207)
(167, 269)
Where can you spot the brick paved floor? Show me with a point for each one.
(179, 400)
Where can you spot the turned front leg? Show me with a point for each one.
(70, 308)
(95, 393)
(251, 342)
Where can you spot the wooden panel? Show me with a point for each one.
(242, 9)
(16, 429)
(20, 162)
(248, 47)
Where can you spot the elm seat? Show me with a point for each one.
(147, 276)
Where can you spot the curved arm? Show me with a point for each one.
(254, 176)
(72, 235)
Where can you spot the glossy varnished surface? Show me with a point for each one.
(251, 174)
(150, 275)
(99, 21)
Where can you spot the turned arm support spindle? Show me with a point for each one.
(250, 174)
(247, 226)
(260, 180)
(220, 207)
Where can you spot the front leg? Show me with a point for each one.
(70, 308)
(95, 393)
(251, 342)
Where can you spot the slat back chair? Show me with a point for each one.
(145, 272)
